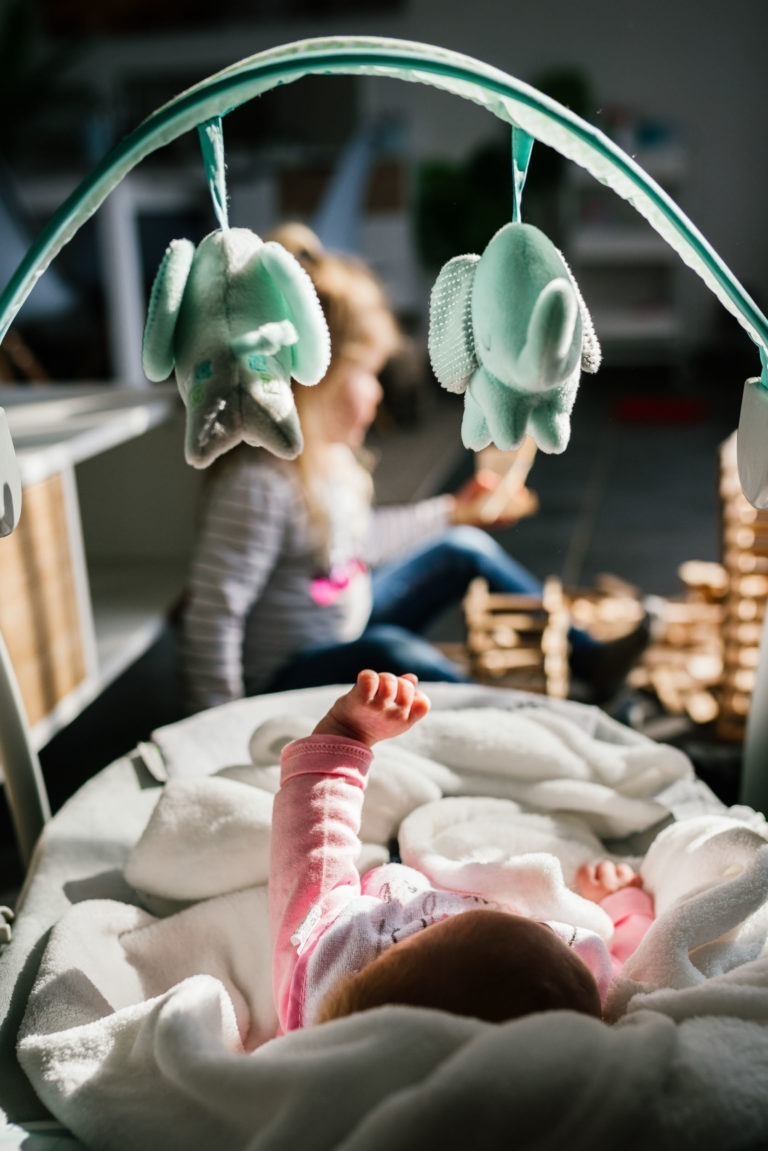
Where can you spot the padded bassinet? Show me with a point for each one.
(136, 991)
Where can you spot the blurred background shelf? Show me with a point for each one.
(628, 274)
(88, 583)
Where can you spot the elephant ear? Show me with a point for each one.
(591, 352)
(451, 342)
(311, 354)
(157, 356)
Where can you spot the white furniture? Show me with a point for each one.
(626, 271)
(100, 552)
(27, 794)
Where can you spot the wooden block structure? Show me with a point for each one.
(522, 641)
(608, 610)
(703, 658)
(745, 560)
(518, 641)
(683, 665)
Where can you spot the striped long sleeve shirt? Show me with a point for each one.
(256, 596)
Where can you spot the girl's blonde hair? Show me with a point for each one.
(358, 314)
(360, 322)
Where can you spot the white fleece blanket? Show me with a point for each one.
(156, 1029)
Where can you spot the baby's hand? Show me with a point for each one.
(596, 880)
(379, 706)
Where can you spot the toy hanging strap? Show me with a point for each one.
(522, 146)
(212, 144)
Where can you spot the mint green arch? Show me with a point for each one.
(506, 97)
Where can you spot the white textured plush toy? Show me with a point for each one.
(510, 331)
(237, 318)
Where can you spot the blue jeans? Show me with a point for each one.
(408, 595)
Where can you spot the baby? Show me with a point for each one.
(342, 944)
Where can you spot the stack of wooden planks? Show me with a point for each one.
(683, 665)
(518, 640)
(745, 560)
(522, 641)
(704, 656)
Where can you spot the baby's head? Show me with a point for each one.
(487, 964)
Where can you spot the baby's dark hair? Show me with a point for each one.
(486, 964)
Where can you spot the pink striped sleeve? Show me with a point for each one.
(315, 845)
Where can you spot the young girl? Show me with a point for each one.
(296, 579)
(342, 944)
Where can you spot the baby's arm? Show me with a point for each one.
(316, 818)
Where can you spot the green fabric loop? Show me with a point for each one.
(212, 146)
(510, 99)
(522, 146)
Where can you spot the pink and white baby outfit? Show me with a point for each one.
(327, 922)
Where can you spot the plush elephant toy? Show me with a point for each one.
(237, 318)
(510, 331)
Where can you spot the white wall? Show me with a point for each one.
(699, 64)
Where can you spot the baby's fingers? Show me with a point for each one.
(627, 876)
(406, 690)
(411, 699)
(387, 691)
(420, 705)
(368, 683)
(614, 876)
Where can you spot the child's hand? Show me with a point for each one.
(477, 502)
(379, 706)
(596, 880)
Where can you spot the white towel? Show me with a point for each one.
(210, 833)
(530, 755)
(519, 860)
(206, 836)
(709, 878)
